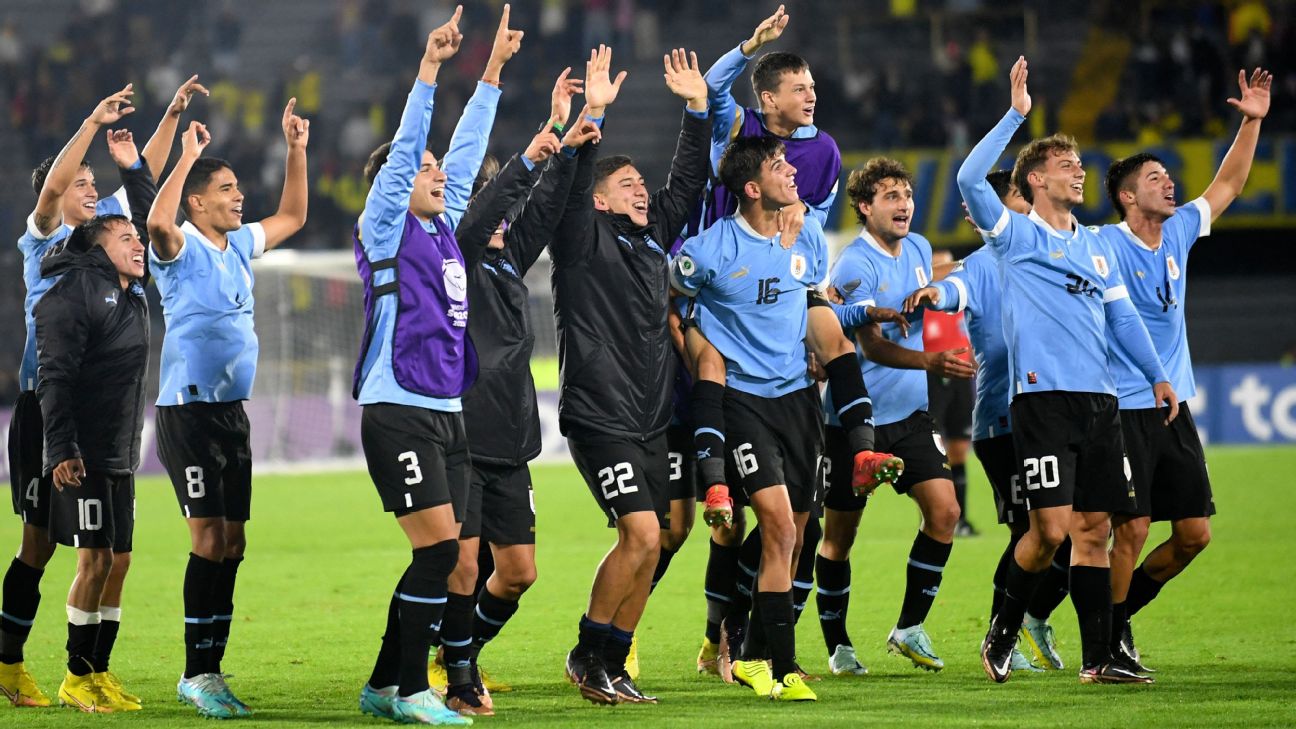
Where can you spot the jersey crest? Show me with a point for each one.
(1172, 268)
(1100, 264)
(922, 276)
(798, 265)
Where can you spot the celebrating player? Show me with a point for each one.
(1064, 294)
(203, 271)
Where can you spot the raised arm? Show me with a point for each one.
(572, 232)
(468, 143)
(388, 197)
(48, 214)
(984, 206)
(62, 330)
(165, 238)
(494, 200)
(291, 215)
(137, 179)
(158, 148)
(670, 207)
(1236, 165)
(722, 75)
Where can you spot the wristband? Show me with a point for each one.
(496, 84)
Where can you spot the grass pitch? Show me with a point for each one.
(322, 560)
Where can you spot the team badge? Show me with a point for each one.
(456, 281)
(798, 265)
(1172, 268)
(921, 274)
(1100, 264)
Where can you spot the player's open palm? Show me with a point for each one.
(183, 95)
(560, 101)
(296, 129)
(113, 108)
(683, 76)
(507, 41)
(1021, 100)
(1254, 103)
(194, 140)
(768, 30)
(600, 88)
(443, 42)
(121, 147)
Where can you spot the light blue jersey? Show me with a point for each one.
(209, 352)
(1063, 290)
(866, 274)
(1158, 282)
(382, 223)
(974, 289)
(33, 247)
(751, 300)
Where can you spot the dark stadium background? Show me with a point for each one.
(922, 79)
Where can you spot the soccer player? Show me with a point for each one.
(878, 269)
(502, 424)
(785, 88)
(973, 288)
(92, 333)
(1168, 465)
(751, 305)
(66, 197)
(617, 362)
(204, 275)
(1064, 295)
(950, 400)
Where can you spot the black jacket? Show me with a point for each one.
(92, 340)
(500, 409)
(610, 287)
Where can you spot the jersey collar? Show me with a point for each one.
(745, 227)
(872, 243)
(1124, 226)
(1039, 220)
(191, 229)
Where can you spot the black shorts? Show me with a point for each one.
(1070, 452)
(1168, 465)
(98, 514)
(999, 459)
(682, 464)
(775, 441)
(417, 458)
(950, 403)
(501, 505)
(29, 487)
(206, 448)
(625, 475)
(914, 440)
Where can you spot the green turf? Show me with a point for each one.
(545, 372)
(323, 558)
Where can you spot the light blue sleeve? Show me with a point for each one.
(1189, 222)
(467, 148)
(855, 279)
(249, 240)
(812, 234)
(987, 211)
(388, 199)
(953, 290)
(694, 266)
(720, 79)
(820, 212)
(851, 316)
(1128, 329)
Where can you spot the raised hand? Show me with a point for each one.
(185, 94)
(926, 296)
(507, 43)
(769, 29)
(684, 78)
(194, 140)
(1021, 100)
(296, 129)
(121, 147)
(113, 108)
(1254, 103)
(581, 132)
(543, 145)
(443, 42)
(600, 89)
(564, 89)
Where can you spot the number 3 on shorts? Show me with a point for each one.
(410, 459)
